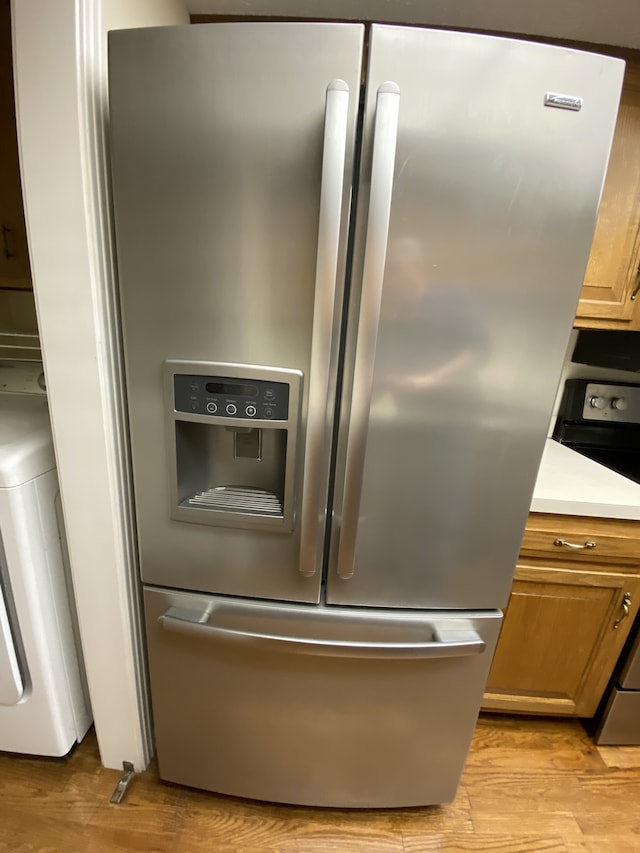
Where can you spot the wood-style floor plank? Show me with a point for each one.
(620, 756)
(508, 843)
(529, 823)
(530, 786)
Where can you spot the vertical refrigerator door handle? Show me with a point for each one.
(331, 190)
(382, 169)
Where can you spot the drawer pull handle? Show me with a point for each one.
(588, 544)
(626, 607)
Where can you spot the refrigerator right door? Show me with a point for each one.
(483, 163)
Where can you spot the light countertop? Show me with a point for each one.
(571, 484)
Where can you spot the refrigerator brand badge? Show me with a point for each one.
(562, 102)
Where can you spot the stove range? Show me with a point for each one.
(601, 420)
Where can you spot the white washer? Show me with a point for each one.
(44, 706)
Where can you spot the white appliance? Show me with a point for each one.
(347, 280)
(44, 706)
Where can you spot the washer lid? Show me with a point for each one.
(26, 446)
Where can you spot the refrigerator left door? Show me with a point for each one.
(232, 161)
(343, 707)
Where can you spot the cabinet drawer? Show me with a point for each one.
(589, 540)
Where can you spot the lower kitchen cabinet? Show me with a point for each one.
(573, 601)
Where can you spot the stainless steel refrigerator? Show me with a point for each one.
(349, 259)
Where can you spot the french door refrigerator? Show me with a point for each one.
(349, 259)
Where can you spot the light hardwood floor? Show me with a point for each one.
(530, 785)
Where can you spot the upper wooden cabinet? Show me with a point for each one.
(14, 257)
(607, 298)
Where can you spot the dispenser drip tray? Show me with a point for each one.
(241, 499)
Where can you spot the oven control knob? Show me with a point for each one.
(619, 403)
(598, 402)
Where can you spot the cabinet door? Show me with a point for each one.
(607, 299)
(14, 258)
(562, 634)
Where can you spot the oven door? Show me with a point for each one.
(623, 460)
(621, 718)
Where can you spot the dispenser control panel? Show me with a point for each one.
(225, 397)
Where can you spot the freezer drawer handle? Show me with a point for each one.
(331, 188)
(446, 643)
(382, 170)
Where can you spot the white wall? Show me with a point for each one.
(60, 78)
(611, 22)
(127, 14)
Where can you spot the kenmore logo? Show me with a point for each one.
(563, 102)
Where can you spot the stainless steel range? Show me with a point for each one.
(602, 421)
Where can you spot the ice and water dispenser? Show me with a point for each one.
(233, 430)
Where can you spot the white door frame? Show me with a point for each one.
(60, 80)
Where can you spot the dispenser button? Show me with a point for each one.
(268, 412)
(250, 411)
(231, 409)
(212, 408)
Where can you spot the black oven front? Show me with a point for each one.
(601, 420)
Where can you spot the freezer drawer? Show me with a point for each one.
(316, 706)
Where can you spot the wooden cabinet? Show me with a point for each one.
(14, 257)
(607, 299)
(569, 614)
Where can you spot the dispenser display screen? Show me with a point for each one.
(231, 389)
(226, 397)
